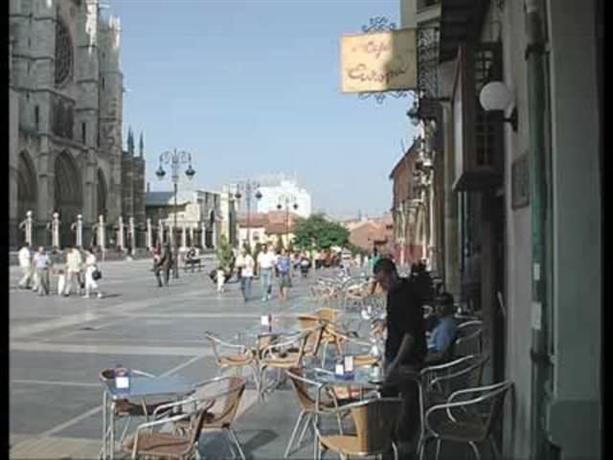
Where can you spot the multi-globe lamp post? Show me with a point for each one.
(249, 189)
(285, 201)
(175, 159)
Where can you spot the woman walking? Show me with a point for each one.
(92, 274)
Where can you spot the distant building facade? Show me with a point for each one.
(202, 218)
(285, 193)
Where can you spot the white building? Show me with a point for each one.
(287, 193)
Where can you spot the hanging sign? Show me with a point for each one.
(382, 61)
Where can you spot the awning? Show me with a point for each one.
(461, 20)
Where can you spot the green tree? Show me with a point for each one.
(317, 232)
(225, 256)
(279, 246)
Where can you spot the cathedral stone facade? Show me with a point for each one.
(65, 93)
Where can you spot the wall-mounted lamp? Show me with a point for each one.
(497, 96)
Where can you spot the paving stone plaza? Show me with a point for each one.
(59, 345)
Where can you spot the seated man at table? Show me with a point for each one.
(440, 342)
(405, 347)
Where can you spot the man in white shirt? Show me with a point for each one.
(42, 264)
(25, 263)
(74, 262)
(246, 263)
(266, 261)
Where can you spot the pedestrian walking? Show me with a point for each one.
(74, 265)
(246, 264)
(284, 266)
(25, 263)
(266, 262)
(42, 264)
(92, 274)
(164, 265)
(221, 279)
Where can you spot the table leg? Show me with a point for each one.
(112, 420)
(104, 427)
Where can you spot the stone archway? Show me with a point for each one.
(101, 195)
(68, 194)
(26, 186)
(27, 192)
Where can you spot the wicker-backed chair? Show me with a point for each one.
(286, 353)
(233, 356)
(375, 423)
(314, 399)
(225, 394)
(183, 444)
(468, 416)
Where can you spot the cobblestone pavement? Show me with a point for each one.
(58, 345)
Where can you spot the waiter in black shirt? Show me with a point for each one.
(405, 347)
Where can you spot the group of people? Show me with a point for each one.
(74, 270)
(268, 264)
(412, 341)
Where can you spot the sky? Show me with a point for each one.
(252, 87)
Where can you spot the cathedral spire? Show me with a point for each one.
(130, 141)
(141, 145)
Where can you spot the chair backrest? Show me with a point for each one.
(302, 386)
(326, 314)
(313, 340)
(467, 374)
(376, 421)
(227, 393)
(484, 402)
(468, 339)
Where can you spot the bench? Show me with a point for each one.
(193, 262)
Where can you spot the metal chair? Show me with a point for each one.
(124, 408)
(375, 423)
(150, 443)
(468, 339)
(233, 356)
(468, 416)
(436, 383)
(286, 353)
(314, 399)
(226, 400)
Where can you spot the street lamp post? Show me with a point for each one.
(286, 199)
(249, 189)
(175, 159)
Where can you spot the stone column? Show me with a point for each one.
(214, 234)
(101, 234)
(132, 233)
(120, 236)
(203, 235)
(184, 237)
(149, 238)
(191, 236)
(171, 231)
(77, 228)
(55, 231)
(160, 232)
(26, 225)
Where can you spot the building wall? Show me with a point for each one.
(574, 415)
(80, 116)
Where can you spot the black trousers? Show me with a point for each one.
(407, 387)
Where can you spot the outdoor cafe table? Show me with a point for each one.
(141, 387)
(360, 378)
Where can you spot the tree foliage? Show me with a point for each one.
(318, 233)
(225, 256)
